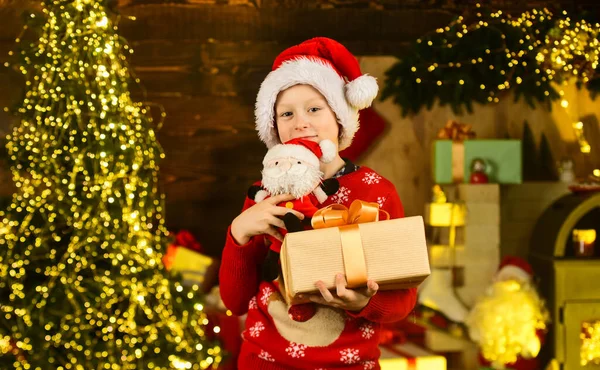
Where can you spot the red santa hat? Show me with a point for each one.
(305, 150)
(329, 67)
(513, 267)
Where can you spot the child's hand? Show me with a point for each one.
(344, 298)
(262, 218)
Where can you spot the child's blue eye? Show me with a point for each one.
(314, 109)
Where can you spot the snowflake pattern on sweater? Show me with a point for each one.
(256, 329)
(367, 330)
(371, 178)
(368, 365)
(349, 356)
(295, 350)
(332, 339)
(342, 195)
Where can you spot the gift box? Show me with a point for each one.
(452, 160)
(195, 268)
(445, 214)
(409, 356)
(391, 252)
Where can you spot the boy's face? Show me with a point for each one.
(302, 112)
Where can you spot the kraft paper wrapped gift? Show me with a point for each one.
(452, 160)
(394, 254)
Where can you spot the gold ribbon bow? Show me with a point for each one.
(456, 131)
(337, 215)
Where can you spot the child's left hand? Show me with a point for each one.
(344, 298)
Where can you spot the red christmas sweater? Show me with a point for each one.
(332, 338)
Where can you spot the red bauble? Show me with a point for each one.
(302, 312)
(479, 178)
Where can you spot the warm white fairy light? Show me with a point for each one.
(81, 244)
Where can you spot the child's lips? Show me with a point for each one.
(310, 137)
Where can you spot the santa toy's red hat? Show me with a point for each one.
(305, 150)
(329, 67)
(513, 267)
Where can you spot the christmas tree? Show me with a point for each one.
(547, 171)
(82, 285)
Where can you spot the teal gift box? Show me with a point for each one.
(452, 160)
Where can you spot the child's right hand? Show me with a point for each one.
(262, 218)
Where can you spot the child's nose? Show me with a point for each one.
(301, 122)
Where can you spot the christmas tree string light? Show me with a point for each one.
(479, 58)
(590, 343)
(82, 285)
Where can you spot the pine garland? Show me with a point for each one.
(479, 57)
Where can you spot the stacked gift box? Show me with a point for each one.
(184, 256)
(457, 149)
(478, 248)
(355, 241)
(403, 346)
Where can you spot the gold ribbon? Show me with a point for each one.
(457, 132)
(337, 215)
(458, 161)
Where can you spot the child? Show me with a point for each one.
(314, 91)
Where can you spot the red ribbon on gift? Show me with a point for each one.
(411, 361)
(183, 239)
(388, 336)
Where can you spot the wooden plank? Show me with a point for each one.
(208, 187)
(226, 148)
(188, 80)
(208, 220)
(480, 193)
(202, 22)
(482, 214)
(213, 53)
(482, 236)
(545, 192)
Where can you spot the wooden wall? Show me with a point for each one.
(204, 61)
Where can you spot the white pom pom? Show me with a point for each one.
(261, 195)
(329, 150)
(361, 92)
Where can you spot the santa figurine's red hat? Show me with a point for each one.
(513, 267)
(306, 150)
(329, 67)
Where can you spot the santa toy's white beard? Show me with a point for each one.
(292, 182)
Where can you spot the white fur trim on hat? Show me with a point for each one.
(291, 150)
(362, 91)
(512, 272)
(319, 75)
(329, 150)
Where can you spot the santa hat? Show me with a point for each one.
(515, 268)
(329, 67)
(305, 150)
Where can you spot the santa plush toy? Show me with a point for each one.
(294, 168)
(509, 320)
